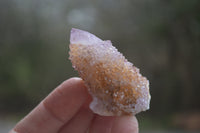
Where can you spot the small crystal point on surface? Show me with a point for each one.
(115, 84)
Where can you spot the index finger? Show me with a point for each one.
(56, 109)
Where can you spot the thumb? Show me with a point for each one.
(117, 124)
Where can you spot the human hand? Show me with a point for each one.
(66, 110)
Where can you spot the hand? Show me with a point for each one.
(66, 110)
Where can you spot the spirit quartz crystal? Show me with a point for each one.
(117, 87)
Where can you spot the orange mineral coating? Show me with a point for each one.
(115, 84)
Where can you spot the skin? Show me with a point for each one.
(66, 110)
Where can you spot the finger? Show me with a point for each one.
(120, 124)
(65, 102)
(125, 124)
(38, 121)
(80, 122)
(102, 124)
(56, 109)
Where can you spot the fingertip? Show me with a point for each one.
(67, 98)
(126, 124)
(72, 81)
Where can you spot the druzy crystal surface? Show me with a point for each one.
(115, 84)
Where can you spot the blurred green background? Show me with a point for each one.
(162, 38)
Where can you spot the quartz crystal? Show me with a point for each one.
(117, 87)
